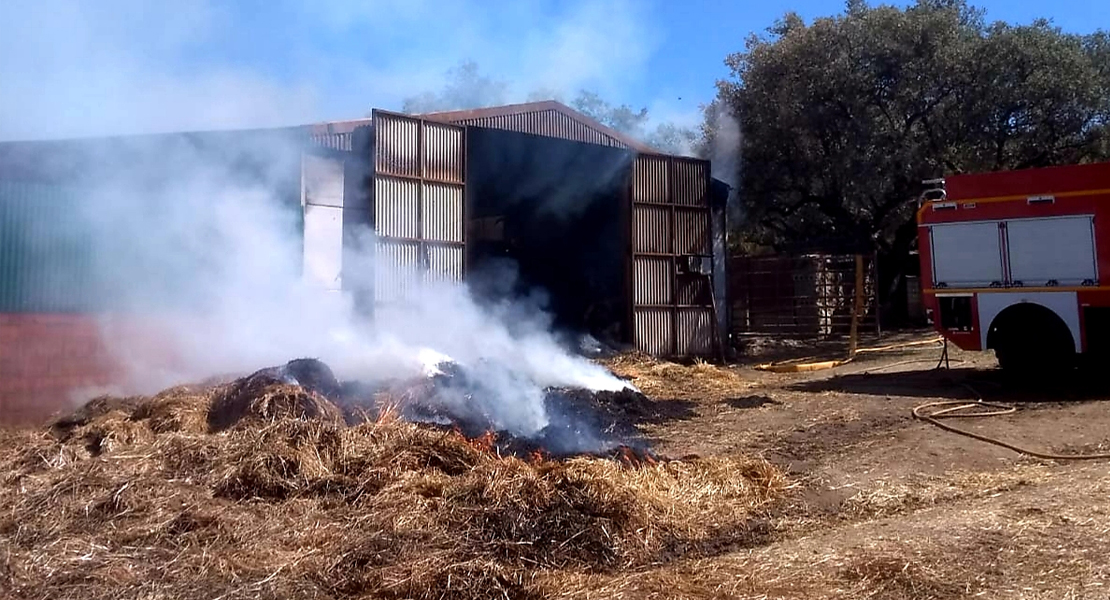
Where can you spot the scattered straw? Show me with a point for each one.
(662, 379)
(142, 500)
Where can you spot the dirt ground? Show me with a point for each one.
(884, 505)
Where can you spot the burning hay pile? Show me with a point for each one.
(279, 485)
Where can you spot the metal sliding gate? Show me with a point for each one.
(418, 203)
(672, 254)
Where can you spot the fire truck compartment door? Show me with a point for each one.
(1056, 249)
(966, 254)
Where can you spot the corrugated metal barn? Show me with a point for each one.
(621, 237)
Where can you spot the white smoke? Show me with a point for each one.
(185, 246)
(196, 250)
(106, 67)
(724, 152)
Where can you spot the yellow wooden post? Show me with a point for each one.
(857, 307)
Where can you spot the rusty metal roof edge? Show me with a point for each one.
(346, 126)
(526, 107)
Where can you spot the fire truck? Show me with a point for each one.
(1018, 262)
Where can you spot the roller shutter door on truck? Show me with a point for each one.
(966, 254)
(1052, 251)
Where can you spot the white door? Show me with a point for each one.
(966, 254)
(1060, 250)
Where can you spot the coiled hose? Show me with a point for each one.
(963, 409)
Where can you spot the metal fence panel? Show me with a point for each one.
(809, 296)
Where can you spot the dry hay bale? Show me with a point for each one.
(183, 408)
(92, 410)
(264, 399)
(112, 432)
(299, 508)
(288, 458)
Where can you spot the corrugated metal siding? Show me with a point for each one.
(650, 180)
(550, 123)
(651, 229)
(693, 290)
(652, 281)
(654, 331)
(46, 264)
(442, 159)
(695, 331)
(445, 263)
(443, 210)
(418, 202)
(333, 141)
(396, 204)
(670, 220)
(691, 182)
(396, 143)
(693, 232)
(397, 269)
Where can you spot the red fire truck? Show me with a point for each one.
(1019, 262)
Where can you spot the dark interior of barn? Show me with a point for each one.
(552, 211)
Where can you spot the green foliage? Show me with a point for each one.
(844, 117)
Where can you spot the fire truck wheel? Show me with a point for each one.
(1030, 340)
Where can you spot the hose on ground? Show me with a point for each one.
(802, 367)
(963, 409)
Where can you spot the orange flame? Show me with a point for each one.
(484, 442)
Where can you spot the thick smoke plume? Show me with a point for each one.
(199, 244)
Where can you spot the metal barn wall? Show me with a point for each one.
(418, 203)
(60, 324)
(45, 264)
(672, 310)
(550, 123)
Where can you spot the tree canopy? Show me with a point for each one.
(465, 87)
(842, 118)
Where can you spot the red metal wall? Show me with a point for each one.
(49, 363)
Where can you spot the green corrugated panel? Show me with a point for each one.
(45, 260)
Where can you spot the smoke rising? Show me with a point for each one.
(199, 238)
(83, 68)
(196, 239)
(724, 153)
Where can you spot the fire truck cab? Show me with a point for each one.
(1015, 262)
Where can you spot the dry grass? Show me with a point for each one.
(887, 498)
(142, 499)
(662, 379)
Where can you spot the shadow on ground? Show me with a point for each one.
(965, 383)
(659, 412)
(755, 401)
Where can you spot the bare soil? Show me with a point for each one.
(888, 506)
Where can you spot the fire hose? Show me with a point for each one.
(963, 409)
(799, 367)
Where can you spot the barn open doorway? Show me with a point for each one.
(552, 212)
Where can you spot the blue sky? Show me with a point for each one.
(70, 68)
